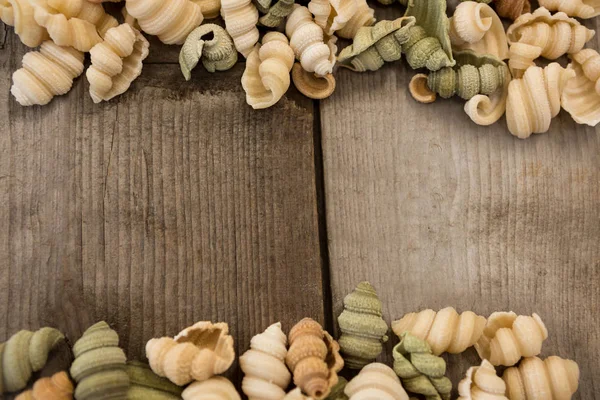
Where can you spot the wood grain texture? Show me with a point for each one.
(436, 211)
(173, 203)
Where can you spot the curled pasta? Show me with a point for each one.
(332, 15)
(512, 8)
(482, 383)
(363, 16)
(116, 62)
(312, 86)
(56, 387)
(508, 337)
(532, 103)
(170, 20)
(485, 110)
(20, 14)
(275, 15)
(46, 73)
(215, 388)
(210, 8)
(376, 381)
(522, 56)
(213, 45)
(574, 8)
(241, 17)
(581, 96)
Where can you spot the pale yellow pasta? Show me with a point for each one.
(482, 383)
(332, 15)
(375, 381)
(574, 8)
(522, 56)
(215, 388)
(363, 16)
(20, 14)
(210, 8)
(581, 97)
(241, 17)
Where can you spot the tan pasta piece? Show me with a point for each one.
(363, 16)
(265, 374)
(57, 387)
(170, 20)
(296, 394)
(307, 41)
(376, 381)
(508, 337)
(482, 383)
(312, 86)
(267, 74)
(522, 56)
(116, 62)
(445, 330)
(476, 26)
(332, 15)
(20, 14)
(512, 8)
(531, 104)
(210, 8)
(241, 17)
(574, 8)
(486, 110)
(554, 378)
(581, 96)
(197, 353)
(46, 73)
(215, 388)
(128, 19)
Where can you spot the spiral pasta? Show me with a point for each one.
(362, 16)
(20, 14)
(482, 383)
(241, 17)
(376, 381)
(57, 387)
(581, 96)
(332, 15)
(574, 8)
(215, 388)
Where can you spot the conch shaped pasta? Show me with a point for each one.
(363, 16)
(267, 75)
(574, 8)
(531, 104)
(196, 353)
(581, 96)
(332, 15)
(373, 46)
(210, 8)
(241, 17)
(211, 44)
(313, 358)
(444, 330)
(362, 326)
(20, 14)
(145, 384)
(116, 62)
(170, 20)
(265, 374)
(56, 387)
(477, 27)
(482, 383)
(420, 371)
(46, 73)
(522, 56)
(276, 14)
(296, 394)
(485, 110)
(424, 51)
(534, 379)
(215, 388)
(312, 86)
(307, 41)
(99, 365)
(23, 354)
(376, 381)
(508, 337)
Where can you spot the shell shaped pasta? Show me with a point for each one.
(534, 379)
(56, 387)
(445, 330)
(170, 20)
(363, 16)
(574, 8)
(210, 8)
(296, 394)
(531, 104)
(116, 62)
(508, 337)
(522, 56)
(265, 374)
(146, 385)
(581, 96)
(217, 53)
(241, 17)
(307, 41)
(482, 383)
(196, 353)
(215, 388)
(332, 15)
(376, 381)
(20, 14)
(275, 15)
(312, 86)
(477, 27)
(486, 110)
(512, 9)
(46, 73)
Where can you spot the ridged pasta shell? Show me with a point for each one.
(241, 17)
(275, 15)
(512, 9)
(57, 387)
(128, 19)
(296, 394)
(24, 353)
(46, 73)
(445, 330)
(508, 337)
(99, 365)
(420, 371)
(522, 56)
(116, 62)
(146, 385)
(574, 8)
(217, 53)
(362, 326)
(420, 91)
(581, 96)
(196, 353)
(486, 110)
(375, 45)
(308, 42)
(554, 378)
(312, 86)
(20, 14)
(362, 16)
(313, 358)
(532, 103)
(477, 27)
(376, 381)
(482, 383)
(210, 8)
(215, 388)
(332, 15)
(267, 75)
(265, 374)
(170, 20)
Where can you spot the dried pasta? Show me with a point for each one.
(312, 86)
(581, 96)
(363, 16)
(482, 383)
(574, 8)
(211, 44)
(56, 387)
(20, 14)
(241, 17)
(332, 15)
(215, 388)
(376, 381)
(210, 8)
(275, 15)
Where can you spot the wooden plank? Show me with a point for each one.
(436, 211)
(174, 203)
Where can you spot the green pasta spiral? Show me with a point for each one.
(467, 81)
(275, 14)
(146, 385)
(424, 51)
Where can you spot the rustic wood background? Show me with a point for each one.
(177, 202)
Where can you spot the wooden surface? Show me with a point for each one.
(177, 202)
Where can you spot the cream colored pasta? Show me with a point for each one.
(574, 8)
(482, 383)
(581, 97)
(376, 381)
(241, 17)
(363, 16)
(332, 15)
(20, 14)
(215, 388)
(210, 8)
